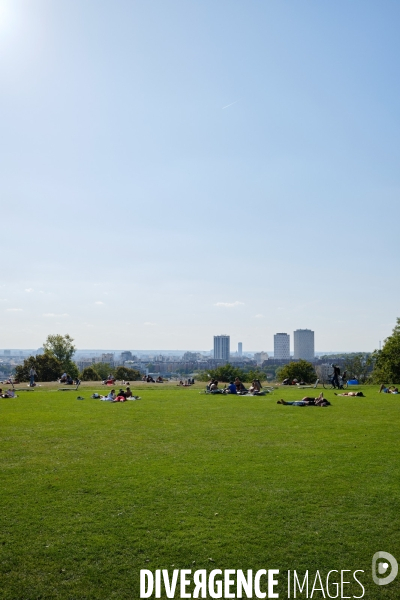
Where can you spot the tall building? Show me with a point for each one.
(282, 346)
(240, 348)
(303, 344)
(221, 347)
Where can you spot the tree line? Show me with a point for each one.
(56, 359)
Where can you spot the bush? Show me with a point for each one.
(301, 370)
(89, 374)
(127, 374)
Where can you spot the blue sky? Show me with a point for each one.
(172, 170)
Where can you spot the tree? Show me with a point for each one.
(89, 374)
(224, 373)
(62, 348)
(103, 370)
(256, 373)
(127, 374)
(358, 366)
(301, 370)
(387, 360)
(47, 367)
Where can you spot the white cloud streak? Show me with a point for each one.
(229, 304)
(231, 104)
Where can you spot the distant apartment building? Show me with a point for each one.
(259, 357)
(303, 344)
(126, 355)
(222, 347)
(282, 346)
(240, 348)
(83, 363)
(107, 357)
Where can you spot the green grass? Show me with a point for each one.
(92, 492)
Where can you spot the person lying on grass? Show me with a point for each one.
(388, 390)
(350, 394)
(8, 394)
(307, 401)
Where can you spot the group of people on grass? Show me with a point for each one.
(319, 400)
(122, 396)
(66, 379)
(235, 387)
(187, 383)
(294, 381)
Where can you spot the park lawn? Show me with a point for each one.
(92, 492)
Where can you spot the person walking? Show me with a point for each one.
(32, 375)
(336, 375)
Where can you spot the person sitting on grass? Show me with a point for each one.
(388, 390)
(121, 396)
(240, 387)
(255, 387)
(231, 389)
(159, 379)
(130, 396)
(350, 394)
(109, 398)
(214, 388)
(307, 401)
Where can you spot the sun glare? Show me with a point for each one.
(3, 11)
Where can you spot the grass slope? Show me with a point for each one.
(92, 492)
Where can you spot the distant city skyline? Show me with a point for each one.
(166, 351)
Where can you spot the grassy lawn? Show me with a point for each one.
(92, 492)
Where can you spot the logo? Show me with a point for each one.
(380, 565)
